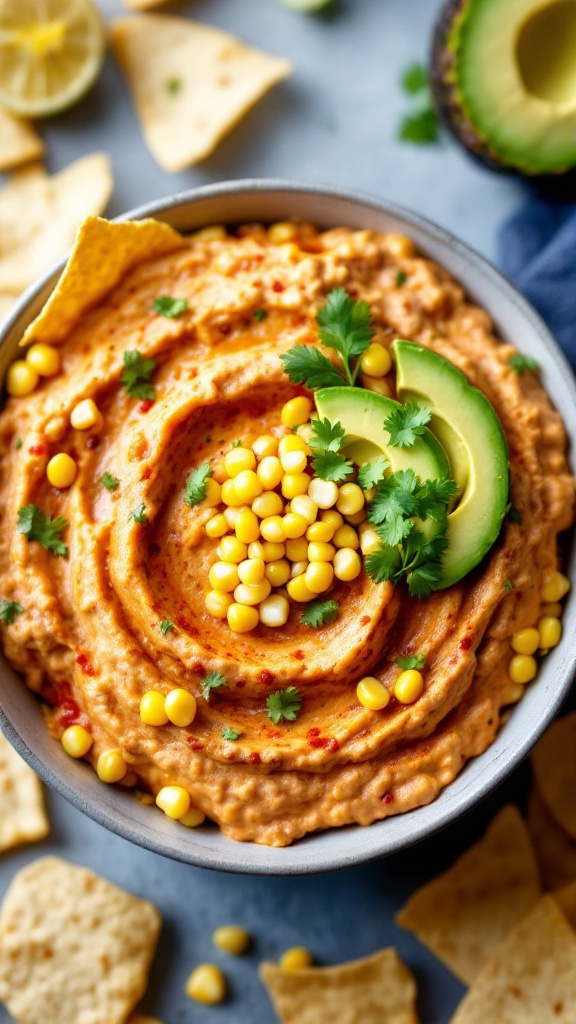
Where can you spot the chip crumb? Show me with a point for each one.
(22, 815)
(19, 141)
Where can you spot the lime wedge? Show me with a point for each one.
(51, 52)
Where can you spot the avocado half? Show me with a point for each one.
(503, 77)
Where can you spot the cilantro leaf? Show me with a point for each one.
(35, 525)
(136, 376)
(406, 424)
(515, 516)
(230, 734)
(236, 444)
(520, 363)
(260, 315)
(139, 514)
(307, 365)
(394, 530)
(9, 610)
(332, 466)
(18, 443)
(317, 613)
(433, 497)
(414, 79)
(421, 127)
(508, 585)
(166, 626)
(411, 661)
(171, 308)
(394, 497)
(346, 326)
(284, 703)
(400, 279)
(327, 437)
(421, 580)
(173, 86)
(211, 682)
(384, 564)
(370, 474)
(196, 484)
(111, 483)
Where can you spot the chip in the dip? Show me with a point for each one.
(554, 766)
(73, 947)
(464, 914)
(555, 850)
(19, 142)
(22, 815)
(191, 83)
(374, 990)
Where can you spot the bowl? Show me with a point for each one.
(517, 322)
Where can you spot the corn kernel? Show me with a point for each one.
(522, 668)
(369, 493)
(323, 492)
(44, 359)
(270, 472)
(554, 609)
(376, 361)
(525, 641)
(332, 517)
(399, 245)
(295, 959)
(282, 232)
(294, 484)
(272, 551)
(299, 568)
(293, 443)
(305, 431)
(61, 471)
(294, 526)
(372, 694)
(267, 504)
(369, 539)
(247, 485)
(298, 590)
(376, 384)
(255, 550)
(265, 445)
(251, 570)
(294, 462)
(357, 517)
(550, 632)
(512, 693)
(193, 818)
(274, 611)
(206, 985)
(320, 552)
(239, 459)
(229, 495)
(303, 505)
(409, 686)
(223, 576)
(231, 939)
(272, 529)
(21, 379)
(231, 514)
(111, 766)
(213, 493)
(346, 537)
(297, 550)
(180, 706)
(278, 573)
(232, 550)
(212, 233)
(76, 740)
(242, 618)
(85, 415)
(252, 593)
(217, 526)
(319, 577)
(320, 532)
(296, 411)
(347, 564)
(217, 603)
(247, 527)
(174, 801)
(152, 710)
(556, 586)
(350, 499)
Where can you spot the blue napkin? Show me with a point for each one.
(537, 251)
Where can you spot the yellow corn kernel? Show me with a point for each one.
(294, 484)
(247, 485)
(232, 550)
(376, 361)
(267, 504)
(44, 359)
(152, 710)
(278, 573)
(213, 493)
(555, 587)
(347, 564)
(294, 462)
(292, 443)
(239, 459)
(212, 233)
(550, 631)
(61, 471)
(272, 551)
(256, 550)
(206, 985)
(217, 526)
(377, 384)
(320, 532)
(512, 693)
(272, 529)
(229, 495)
(525, 641)
(174, 801)
(231, 514)
(21, 379)
(270, 472)
(251, 570)
(111, 766)
(252, 593)
(299, 568)
(274, 611)
(193, 818)
(372, 694)
(242, 618)
(320, 552)
(296, 411)
(230, 938)
(217, 603)
(294, 526)
(357, 517)
(369, 493)
(350, 499)
(295, 959)
(76, 740)
(282, 232)
(346, 537)
(298, 590)
(323, 492)
(332, 517)
(369, 539)
(522, 668)
(247, 527)
(85, 415)
(303, 505)
(399, 245)
(297, 550)
(224, 576)
(265, 445)
(180, 706)
(554, 609)
(319, 577)
(409, 686)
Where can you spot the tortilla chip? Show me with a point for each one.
(39, 215)
(554, 764)
(376, 990)
(566, 900)
(19, 143)
(22, 815)
(144, 5)
(532, 977)
(74, 949)
(103, 253)
(555, 851)
(190, 83)
(464, 914)
(137, 1018)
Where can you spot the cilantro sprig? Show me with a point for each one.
(136, 376)
(211, 682)
(420, 125)
(319, 613)
(196, 484)
(520, 363)
(9, 610)
(37, 525)
(370, 474)
(345, 326)
(406, 424)
(166, 626)
(111, 483)
(411, 661)
(171, 308)
(285, 704)
(230, 734)
(325, 442)
(139, 515)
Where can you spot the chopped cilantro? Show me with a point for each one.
(406, 424)
(284, 704)
(171, 308)
(514, 515)
(139, 514)
(318, 613)
(211, 682)
(307, 365)
(111, 483)
(230, 734)
(260, 314)
(35, 525)
(370, 474)
(327, 437)
(325, 442)
(236, 444)
(18, 443)
(421, 127)
(136, 376)
(332, 466)
(414, 79)
(411, 661)
(520, 363)
(196, 484)
(9, 610)
(508, 585)
(400, 278)
(166, 626)
(173, 86)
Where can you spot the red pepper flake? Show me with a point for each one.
(194, 743)
(388, 798)
(85, 665)
(145, 405)
(67, 713)
(324, 743)
(266, 678)
(364, 620)
(92, 442)
(277, 286)
(225, 329)
(465, 643)
(37, 449)
(254, 757)
(313, 732)
(198, 668)
(299, 655)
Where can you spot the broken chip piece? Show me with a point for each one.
(22, 815)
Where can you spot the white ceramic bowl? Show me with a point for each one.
(516, 321)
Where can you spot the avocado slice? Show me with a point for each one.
(474, 441)
(504, 81)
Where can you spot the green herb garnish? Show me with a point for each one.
(327, 437)
(325, 442)
(414, 79)
(111, 483)
(318, 613)
(520, 363)
(236, 444)
(196, 484)
(406, 424)
(230, 734)
(284, 704)
(166, 626)
(173, 86)
(344, 325)
(307, 365)
(139, 514)
(400, 278)
(9, 610)
(508, 585)
(370, 474)
(411, 661)
(136, 376)
(171, 308)
(18, 443)
(332, 466)
(37, 526)
(211, 682)
(420, 127)
(260, 314)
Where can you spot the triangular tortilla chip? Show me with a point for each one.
(464, 914)
(566, 900)
(19, 142)
(191, 83)
(532, 977)
(555, 851)
(22, 815)
(376, 990)
(554, 764)
(103, 254)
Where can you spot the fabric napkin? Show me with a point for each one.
(537, 251)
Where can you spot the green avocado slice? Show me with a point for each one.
(474, 440)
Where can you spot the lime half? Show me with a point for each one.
(51, 52)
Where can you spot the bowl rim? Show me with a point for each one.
(345, 846)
